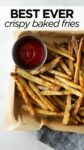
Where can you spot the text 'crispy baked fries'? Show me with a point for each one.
(56, 90)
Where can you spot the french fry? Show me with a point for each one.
(48, 113)
(67, 110)
(75, 44)
(66, 69)
(80, 99)
(45, 112)
(63, 49)
(71, 65)
(81, 79)
(35, 79)
(47, 66)
(24, 94)
(77, 69)
(48, 104)
(77, 104)
(49, 92)
(58, 82)
(32, 94)
(60, 74)
(68, 107)
(70, 83)
(60, 52)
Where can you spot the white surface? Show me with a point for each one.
(20, 141)
(12, 139)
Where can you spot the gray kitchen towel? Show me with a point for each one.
(61, 140)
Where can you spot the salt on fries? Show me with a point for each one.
(57, 88)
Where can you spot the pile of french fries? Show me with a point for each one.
(56, 90)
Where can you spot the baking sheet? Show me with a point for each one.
(13, 121)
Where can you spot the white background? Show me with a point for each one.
(18, 140)
(42, 2)
(5, 17)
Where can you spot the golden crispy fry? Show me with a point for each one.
(66, 69)
(45, 113)
(35, 79)
(67, 110)
(48, 104)
(47, 66)
(70, 83)
(60, 52)
(78, 62)
(81, 79)
(24, 94)
(49, 113)
(80, 99)
(68, 107)
(75, 44)
(49, 92)
(60, 74)
(71, 65)
(58, 82)
(32, 94)
(63, 49)
(78, 104)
